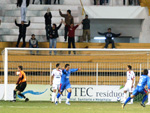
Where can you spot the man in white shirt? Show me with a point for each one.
(56, 77)
(130, 84)
(23, 4)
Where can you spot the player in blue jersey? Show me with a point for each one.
(140, 88)
(65, 83)
(148, 84)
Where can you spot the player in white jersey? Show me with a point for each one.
(56, 77)
(130, 84)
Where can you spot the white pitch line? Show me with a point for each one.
(28, 107)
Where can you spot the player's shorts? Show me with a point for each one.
(138, 90)
(21, 87)
(127, 87)
(56, 86)
(64, 86)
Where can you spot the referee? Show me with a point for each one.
(21, 84)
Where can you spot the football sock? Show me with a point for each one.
(68, 96)
(144, 99)
(22, 95)
(128, 99)
(58, 95)
(14, 95)
(149, 98)
(53, 96)
(125, 96)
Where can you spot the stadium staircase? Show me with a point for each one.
(9, 12)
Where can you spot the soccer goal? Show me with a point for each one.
(101, 78)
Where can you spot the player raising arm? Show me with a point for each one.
(140, 88)
(56, 77)
(21, 84)
(65, 83)
(129, 86)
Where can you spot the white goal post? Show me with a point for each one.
(99, 66)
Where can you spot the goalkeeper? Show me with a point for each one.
(21, 84)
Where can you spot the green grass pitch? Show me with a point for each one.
(75, 107)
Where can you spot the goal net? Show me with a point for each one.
(101, 78)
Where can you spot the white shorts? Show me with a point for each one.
(56, 86)
(128, 88)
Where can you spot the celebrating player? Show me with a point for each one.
(129, 86)
(56, 75)
(140, 89)
(148, 84)
(21, 84)
(65, 83)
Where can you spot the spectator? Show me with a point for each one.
(71, 35)
(0, 22)
(86, 28)
(136, 2)
(48, 17)
(48, 1)
(109, 35)
(34, 1)
(68, 20)
(55, 1)
(22, 32)
(23, 4)
(101, 2)
(33, 43)
(54, 35)
(131, 2)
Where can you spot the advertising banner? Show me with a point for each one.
(79, 93)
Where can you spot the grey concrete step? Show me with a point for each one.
(34, 31)
(32, 26)
(66, 2)
(36, 13)
(41, 7)
(40, 38)
(34, 19)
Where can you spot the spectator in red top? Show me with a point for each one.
(71, 35)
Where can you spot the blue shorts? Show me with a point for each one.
(139, 90)
(64, 86)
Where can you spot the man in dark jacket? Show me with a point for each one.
(86, 28)
(34, 1)
(53, 35)
(23, 4)
(48, 1)
(48, 18)
(109, 35)
(22, 32)
(68, 20)
(33, 43)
